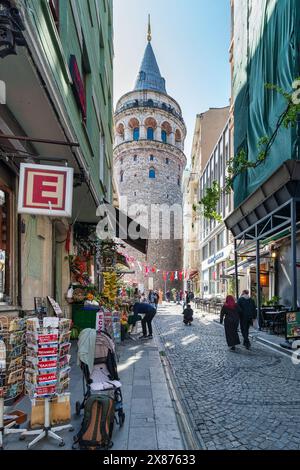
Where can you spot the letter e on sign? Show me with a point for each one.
(45, 190)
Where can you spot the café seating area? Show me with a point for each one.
(272, 319)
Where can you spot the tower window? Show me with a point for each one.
(121, 160)
(121, 176)
(135, 158)
(167, 161)
(152, 173)
(151, 158)
(178, 181)
(179, 167)
(150, 133)
(136, 133)
(164, 136)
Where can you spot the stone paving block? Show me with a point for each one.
(145, 440)
(141, 391)
(168, 438)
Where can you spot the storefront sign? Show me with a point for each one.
(293, 325)
(78, 86)
(217, 258)
(45, 190)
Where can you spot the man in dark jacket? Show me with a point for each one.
(188, 315)
(247, 315)
(149, 312)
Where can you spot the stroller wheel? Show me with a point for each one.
(78, 408)
(121, 416)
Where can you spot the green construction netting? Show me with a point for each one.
(266, 50)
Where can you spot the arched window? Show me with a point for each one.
(135, 158)
(167, 161)
(164, 136)
(121, 176)
(150, 133)
(152, 173)
(178, 181)
(151, 158)
(136, 133)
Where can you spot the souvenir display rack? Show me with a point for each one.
(47, 368)
(12, 365)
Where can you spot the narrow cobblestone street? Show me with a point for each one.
(235, 400)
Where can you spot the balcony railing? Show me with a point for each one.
(150, 104)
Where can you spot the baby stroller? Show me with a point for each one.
(97, 360)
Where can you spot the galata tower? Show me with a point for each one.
(149, 161)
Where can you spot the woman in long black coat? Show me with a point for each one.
(230, 311)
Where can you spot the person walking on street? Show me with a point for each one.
(231, 312)
(151, 298)
(187, 298)
(178, 297)
(247, 315)
(149, 312)
(168, 296)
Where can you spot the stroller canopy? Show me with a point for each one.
(97, 348)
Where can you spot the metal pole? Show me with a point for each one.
(23, 138)
(236, 270)
(258, 282)
(294, 254)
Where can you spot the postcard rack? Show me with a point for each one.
(47, 368)
(12, 366)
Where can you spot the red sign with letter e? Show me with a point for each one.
(45, 190)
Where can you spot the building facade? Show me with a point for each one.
(264, 222)
(215, 240)
(58, 76)
(148, 164)
(208, 128)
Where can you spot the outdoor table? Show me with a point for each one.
(276, 316)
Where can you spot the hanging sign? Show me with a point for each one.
(100, 321)
(45, 190)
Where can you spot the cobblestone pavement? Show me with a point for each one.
(235, 400)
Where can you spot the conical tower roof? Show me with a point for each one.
(149, 77)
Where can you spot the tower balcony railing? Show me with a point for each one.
(150, 104)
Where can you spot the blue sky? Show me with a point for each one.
(191, 39)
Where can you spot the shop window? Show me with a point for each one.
(4, 244)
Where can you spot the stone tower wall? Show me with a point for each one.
(132, 162)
